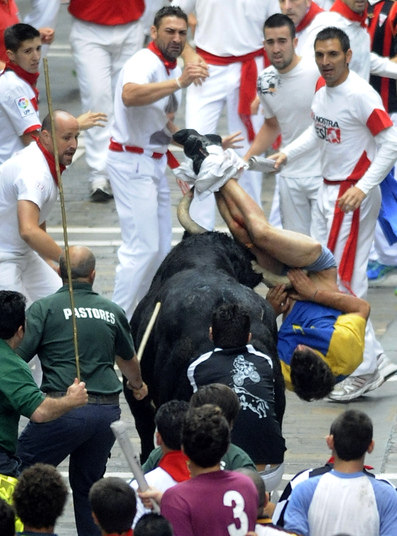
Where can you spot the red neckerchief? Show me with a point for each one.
(169, 65)
(30, 78)
(126, 533)
(313, 10)
(50, 161)
(175, 464)
(344, 10)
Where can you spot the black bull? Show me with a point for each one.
(199, 274)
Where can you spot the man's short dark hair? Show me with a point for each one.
(169, 422)
(206, 435)
(16, 34)
(259, 484)
(230, 326)
(311, 377)
(153, 525)
(331, 32)
(278, 20)
(40, 496)
(220, 395)
(113, 502)
(7, 519)
(169, 11)
(352, 431)
(12, 313)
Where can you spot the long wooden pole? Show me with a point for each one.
(63, 211)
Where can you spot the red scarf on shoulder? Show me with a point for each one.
(50, 160)
(30, 78)
(344, 10)
(313, 10)
(168, 64)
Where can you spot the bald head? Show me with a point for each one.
(67, 131)
(82, 264)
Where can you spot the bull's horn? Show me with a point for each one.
(271, 280)
(184, 217)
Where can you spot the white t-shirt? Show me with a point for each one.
(25, 176)
(230, 28)
(18, 113)
(143, 126)
(288, 97)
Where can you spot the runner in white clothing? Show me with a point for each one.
(28, 191)
(289, 75)
(147, 97)
(229, 39)
(349, 122)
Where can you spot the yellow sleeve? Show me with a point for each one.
(346, 348)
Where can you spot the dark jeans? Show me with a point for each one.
(84, 434)
(9, 465)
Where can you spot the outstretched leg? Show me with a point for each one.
(288, 247)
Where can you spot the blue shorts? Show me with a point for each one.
(325, 261)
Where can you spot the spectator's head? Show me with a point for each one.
(169, 31)
(7, 519)
(113, 505)
(40, 497)
(350, 436)
(153, 525)
(169, 422)
(12, 314)
(206, 436)
(82, 264)
(295, 9)
(220, 395)
(263, 497)
(230, 326)
(311, 377)
(356, 5)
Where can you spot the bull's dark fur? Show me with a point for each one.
(199, 274)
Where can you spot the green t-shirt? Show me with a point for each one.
(103, 332)
(235, 458)
(19, 395)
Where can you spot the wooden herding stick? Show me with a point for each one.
(63, 211)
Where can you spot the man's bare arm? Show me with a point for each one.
(34, 234)
(144, 94)
(132, 371)
(265, 137)
(307, 290)
(52, 408)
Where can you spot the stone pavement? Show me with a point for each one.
(95, 225)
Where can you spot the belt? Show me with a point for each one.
(118, 148)
(93, 398)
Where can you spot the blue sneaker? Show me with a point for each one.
(375, 270)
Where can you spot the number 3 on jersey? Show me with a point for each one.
(236, 501)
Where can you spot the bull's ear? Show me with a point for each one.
(210, 334)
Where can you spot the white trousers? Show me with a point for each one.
(142, 197)
(298, 198)
(30, 275)
(99, 53)
(204, 105)
(369, 210)
(43, 14)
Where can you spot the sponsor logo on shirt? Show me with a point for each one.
(326, 129)
(24, 106)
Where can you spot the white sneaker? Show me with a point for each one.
(354, 386)
(386, 367)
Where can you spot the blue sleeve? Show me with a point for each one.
(386, 499)
(297, 514)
